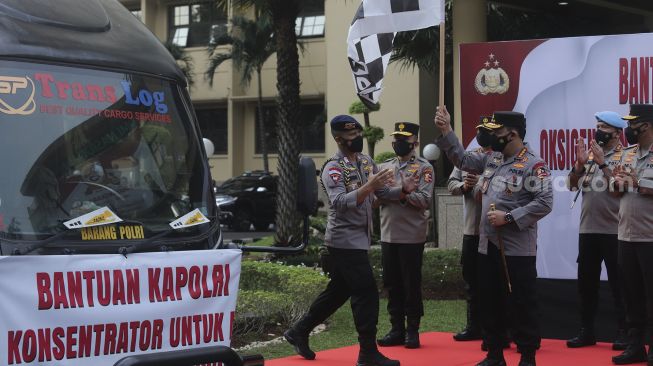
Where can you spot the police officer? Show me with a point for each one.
(518, 184)
(403, 234)
(597, 239)
(468, 185)
(632, 180)
(350, 179)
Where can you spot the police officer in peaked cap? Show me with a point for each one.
(403, 235)
(516, 194)
(350, 180)
(469, 186)
(632, 181)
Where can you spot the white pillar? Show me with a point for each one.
(469, 25)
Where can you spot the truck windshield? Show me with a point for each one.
(74, 140)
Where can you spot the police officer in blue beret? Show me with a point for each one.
(350, 180)
(599, 220)
(516, 194)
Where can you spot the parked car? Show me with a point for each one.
(248, 199)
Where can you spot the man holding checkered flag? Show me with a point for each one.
(371, 35)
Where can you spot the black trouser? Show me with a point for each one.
(350, 276)
(402, 278)
(636, 262)
(498, 304)
(469, 263)
(592, 250)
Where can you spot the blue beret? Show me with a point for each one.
(611, 118)
(344, 122)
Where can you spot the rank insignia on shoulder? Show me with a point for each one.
(518, 165)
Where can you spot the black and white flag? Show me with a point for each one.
(371, 35)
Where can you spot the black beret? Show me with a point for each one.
(640, 112)
(344, 122)
(406, 129)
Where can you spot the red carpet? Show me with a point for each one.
(439, 349)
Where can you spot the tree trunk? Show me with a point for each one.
(261, 124)
(284, 14)
(370, 146)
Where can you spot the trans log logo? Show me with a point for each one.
(492, 78)
(17, 95)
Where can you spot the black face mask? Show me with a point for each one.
(355, 145)
(602, 137)
(483, 137)
(632, 134)
(499, 143)
(402, 147)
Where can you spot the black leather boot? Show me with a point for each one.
(299, 340)
(369, 355)
(472, 331)
(412, 332)
(621, 342)
(397, 334)
(527, 357)
(584, 338)
(635, 351)
(493, 358)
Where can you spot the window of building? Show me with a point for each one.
(310, 23)
(196, 24)
(213, 125)
(312, 119)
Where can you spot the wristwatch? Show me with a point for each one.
(509, 218)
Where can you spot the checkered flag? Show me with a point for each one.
(371, 35)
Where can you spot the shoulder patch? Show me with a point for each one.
(335, 173)
(541, 170)
(428, 175)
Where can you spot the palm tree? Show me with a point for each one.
(252, 43)
(184, 61)
(284, 14)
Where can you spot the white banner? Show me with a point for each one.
(559, 84)
(97, 309)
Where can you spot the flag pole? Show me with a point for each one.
(441, 63)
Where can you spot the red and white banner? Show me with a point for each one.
(97, 309)
(558, 84)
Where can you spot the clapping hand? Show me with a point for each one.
(409, 184)
(381, 179)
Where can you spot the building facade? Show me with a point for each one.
(227, 111)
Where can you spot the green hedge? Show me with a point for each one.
(441, 273)
(274, 294)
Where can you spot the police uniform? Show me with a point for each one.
(347, 240)
(597, 239)
(521, 186)
(635, 234)
(403, 234)
(472, 219)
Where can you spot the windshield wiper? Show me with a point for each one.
(145, 244)
(151, 242)
(41, 244)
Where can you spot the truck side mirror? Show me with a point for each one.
(208, 147)
(307, 187)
